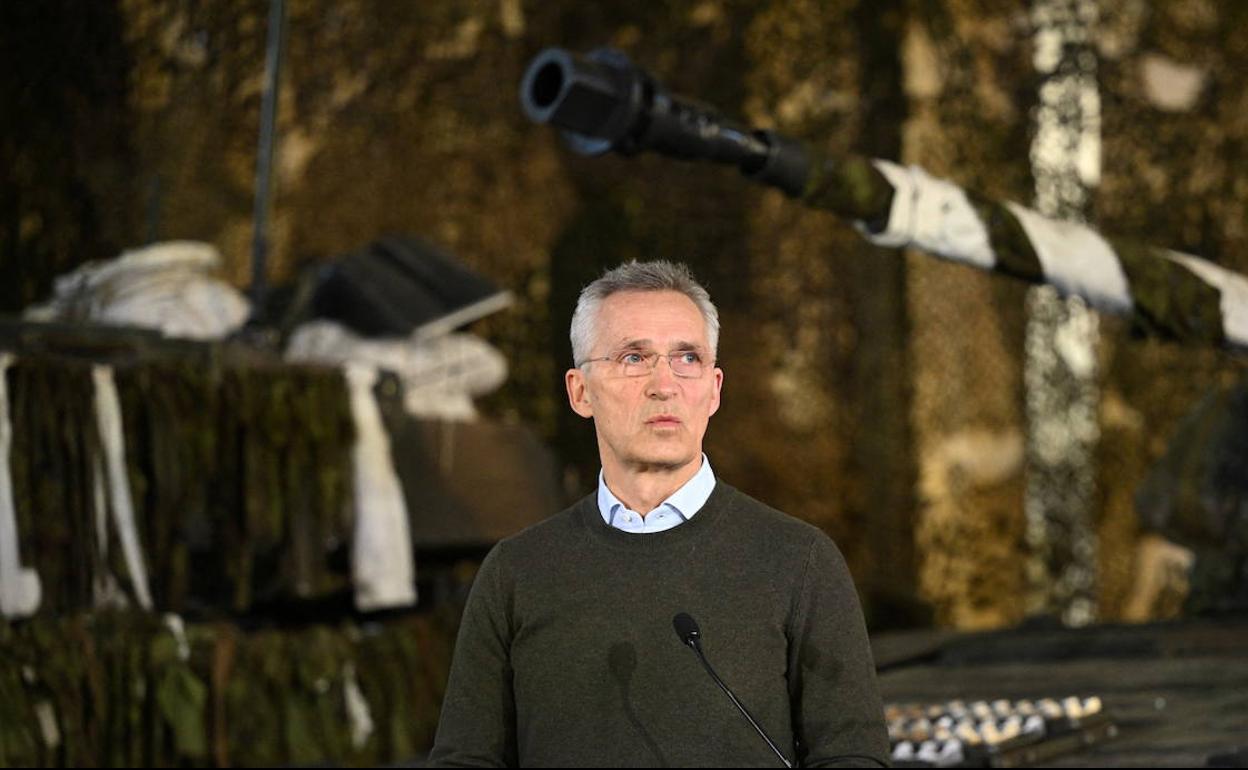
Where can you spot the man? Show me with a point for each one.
(567, 655)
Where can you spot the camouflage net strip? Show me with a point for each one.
(133, 689)
(240, 474)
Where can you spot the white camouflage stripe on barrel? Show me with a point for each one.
(1167, 293)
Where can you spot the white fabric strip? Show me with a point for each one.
(361, 718)
(933, 215)
(106, 591)
(108, 417)
(1076, 260)
(45, 715)
(177, 627)
(20, 589)
(381, 556)
(99, 499)
(1234, 289)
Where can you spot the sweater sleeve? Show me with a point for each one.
(837, 714)
(477, 727)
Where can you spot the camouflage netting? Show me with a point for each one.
(967, 79)
(127, 689)
(1174, 78)
(239, 473)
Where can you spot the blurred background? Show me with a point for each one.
(977, 450)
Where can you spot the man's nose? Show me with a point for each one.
(662, 379)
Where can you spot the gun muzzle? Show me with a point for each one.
(603, 102)
(595, 101)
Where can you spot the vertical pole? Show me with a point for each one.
(264, 153)
(1060, 367)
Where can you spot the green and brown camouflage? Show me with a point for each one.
(122, 688)
(240, 476)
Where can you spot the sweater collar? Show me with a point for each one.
(718, 505)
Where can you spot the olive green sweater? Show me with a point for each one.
(567, 655)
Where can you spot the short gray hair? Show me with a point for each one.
(659, 275)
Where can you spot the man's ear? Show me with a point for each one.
(718, 386)
(578, 394)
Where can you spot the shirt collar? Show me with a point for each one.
(685, 501)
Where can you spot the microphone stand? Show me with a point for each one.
(687, 630)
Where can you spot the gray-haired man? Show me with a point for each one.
(567, 655)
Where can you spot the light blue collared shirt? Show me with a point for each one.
(672, 512)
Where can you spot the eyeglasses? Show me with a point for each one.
(640, 363)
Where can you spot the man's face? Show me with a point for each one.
(655, 421)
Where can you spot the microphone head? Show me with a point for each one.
(687, 629)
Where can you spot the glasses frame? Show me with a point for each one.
(652, 362)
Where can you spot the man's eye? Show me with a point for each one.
(690, 357)
(632, 358)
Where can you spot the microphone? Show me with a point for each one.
(691, 636)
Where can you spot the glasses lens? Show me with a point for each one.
(687, 364)
(635, 364)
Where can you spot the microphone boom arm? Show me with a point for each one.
(689, 633)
